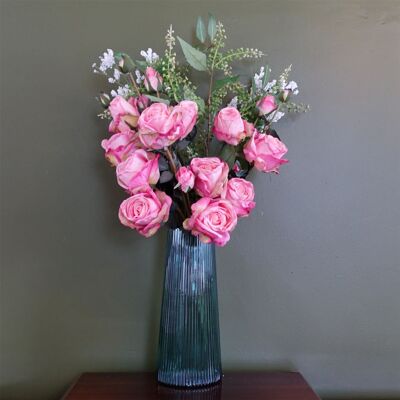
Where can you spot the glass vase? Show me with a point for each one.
(189, 347)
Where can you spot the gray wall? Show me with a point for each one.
(309, 282)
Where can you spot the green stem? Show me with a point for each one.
(132, 79)
(209, 112)
(172, 165)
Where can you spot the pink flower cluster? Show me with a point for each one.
(141, 131)
(137, 129)
(215, 215)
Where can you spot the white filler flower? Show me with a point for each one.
(150, 56)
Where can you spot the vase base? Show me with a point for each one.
(185, 382)
(190, 387)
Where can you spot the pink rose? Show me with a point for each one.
(185, 178)
(211, 174)
(139, 170)
(184, 116)
(154, 125)
(229, 126)
(212, 220)
(265, 151)
(124, 113)
(119, 146)
(152, 79)
(241, 195)
(266, 105)
(160, 125)
(145, 211)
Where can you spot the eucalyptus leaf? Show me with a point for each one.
(195, 58)
(182, 144)
(163, 164)
(215, 147)
(253, 87)
(141, 65)
(200, 104)
(212, 26)
(273, 133)
(228, 154)
(222, 82)
(157, 99)
(166, 176)
(201, 33)
(266, 75)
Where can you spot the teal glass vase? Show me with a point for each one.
(189, 346)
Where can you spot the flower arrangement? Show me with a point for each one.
(184, 160)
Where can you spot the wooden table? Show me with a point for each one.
(234, 386)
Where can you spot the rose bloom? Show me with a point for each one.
(229, 126)
(125, 114)
(184, 116)
(139, 170)
(266, 105)
(240, 193)
(119, 146)
(160, 125)
(185, 178)
(266, 152)
(211, 174)
(212, 220)
(145, 211)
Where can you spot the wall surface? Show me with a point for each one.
(309, 282)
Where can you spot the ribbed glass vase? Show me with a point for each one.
(189, 347)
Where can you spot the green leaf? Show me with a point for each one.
(201, 30)
(196, 58)
(166, 176)
(228, 154)
(212, 26)
(157, 99)
(200, 104)
(266, 75)
(215, 147)
(141, 65)
(222, 82)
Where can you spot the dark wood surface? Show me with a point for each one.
(234, 386)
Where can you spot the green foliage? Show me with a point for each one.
(195, 58)
(157, 99)
(222, 82)
(201, 30)
(228, 154)
(224, 60)
(212, 26)
(176, 83)
(210, 57)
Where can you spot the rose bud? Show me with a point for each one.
(125, 63)
(104, 99)
(185, 178)
(285, 94)
(152, 79)
(266, 105)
